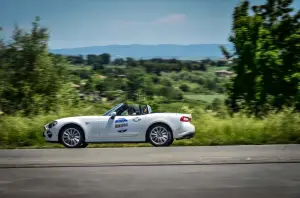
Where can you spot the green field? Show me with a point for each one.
(213, 69)
(205, 98)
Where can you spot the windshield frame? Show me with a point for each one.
(113, 109)
(149, 109)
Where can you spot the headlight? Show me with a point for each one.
(52, 124)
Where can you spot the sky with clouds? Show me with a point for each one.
(79, 23)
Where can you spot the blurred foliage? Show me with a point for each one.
(30, 77)
(267, 52)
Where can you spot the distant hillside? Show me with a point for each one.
(150, 51)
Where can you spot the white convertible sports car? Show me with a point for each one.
(123, 123)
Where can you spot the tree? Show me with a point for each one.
(105, 58)
(267, 55)
(32, 77)
(119, 61)
(202, 67)
(2, 71)
(98, 66)
(92, 59)
(76, 59)
(131, 62)
(170, 93)
(184, 87)
(225, 52)
(98, 60)
(135, 77)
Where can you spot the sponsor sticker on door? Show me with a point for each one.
(121, 125)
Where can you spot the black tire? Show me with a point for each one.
(168, 132)
(84, 145)
(170, 142)
(79, 132)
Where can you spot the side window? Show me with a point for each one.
(122, 111)
(125, 113)
(129, 111)
(134, 110)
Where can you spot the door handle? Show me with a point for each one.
(136, 119)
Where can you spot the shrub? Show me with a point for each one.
(184, 87)
(283, 127)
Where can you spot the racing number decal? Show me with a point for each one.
(121, 125)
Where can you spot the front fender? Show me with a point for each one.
(75, 122)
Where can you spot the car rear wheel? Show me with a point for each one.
(72, 137)
(160, 135)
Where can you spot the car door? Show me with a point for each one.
(124, 126)
(96, 126)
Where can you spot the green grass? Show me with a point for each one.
(116, 66)
(191, 85)
(79, 67)
(284, 127)
(205, 98)
(213, 69)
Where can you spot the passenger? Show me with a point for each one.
(145, 110)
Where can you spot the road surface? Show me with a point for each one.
(189, 172)
(149, 155)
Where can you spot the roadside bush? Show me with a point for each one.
(283, 127)
(277, 128)
(184, 87)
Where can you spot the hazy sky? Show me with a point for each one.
(78, 23)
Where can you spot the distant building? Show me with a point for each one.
(224, 73)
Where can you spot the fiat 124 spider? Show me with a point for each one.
(123, 123)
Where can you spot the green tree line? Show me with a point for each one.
(154, 65)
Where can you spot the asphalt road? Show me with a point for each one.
(149, 155)
(213, 172)
(188, 181)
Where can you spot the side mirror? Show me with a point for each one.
(113, 115)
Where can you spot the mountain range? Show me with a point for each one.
(183, 52)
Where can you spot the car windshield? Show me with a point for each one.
(149, 108)
(113, 109)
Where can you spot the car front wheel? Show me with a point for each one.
(72, 137)
(160, 135)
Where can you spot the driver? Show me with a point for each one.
(131, 110)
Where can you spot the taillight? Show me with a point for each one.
(185, 119)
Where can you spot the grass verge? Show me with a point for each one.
(280, 128)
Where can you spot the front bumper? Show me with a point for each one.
(45, 129)
(50, 135)
(47, 134)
